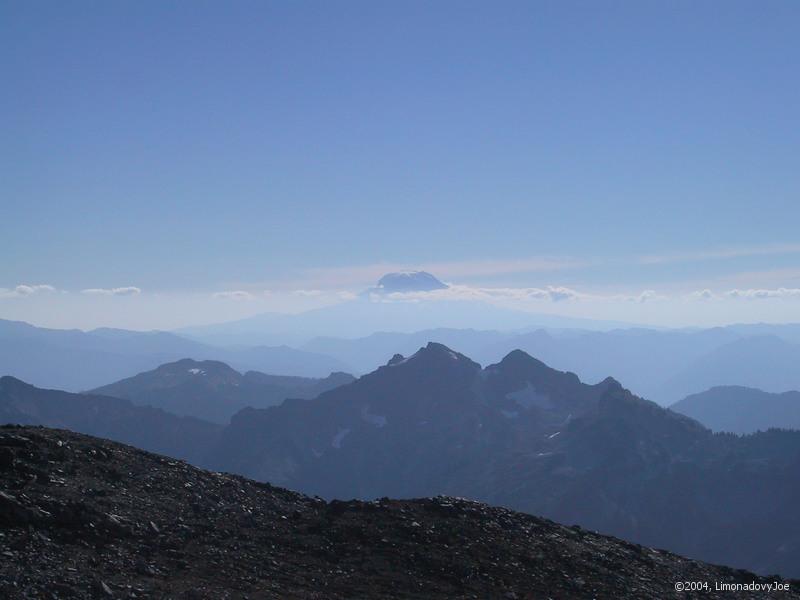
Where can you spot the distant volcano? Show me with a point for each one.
(400, 302)
(408, 281)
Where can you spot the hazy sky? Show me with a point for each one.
(642, 155)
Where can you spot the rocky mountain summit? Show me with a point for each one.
(213, 391)
(82, 517)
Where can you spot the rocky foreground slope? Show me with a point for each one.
(82, 517)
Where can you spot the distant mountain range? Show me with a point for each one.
(359, 335)
(766, 362)
(662, 365)
(384, 308)
(75, 360)
(213, 391)
(516, 433)
(739, 409)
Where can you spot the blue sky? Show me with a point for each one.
(188, 149)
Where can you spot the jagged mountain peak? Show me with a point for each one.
(520, 357)
(434, 353)
(519, 367)
(435, 348)
(395, 360)
(611, 383)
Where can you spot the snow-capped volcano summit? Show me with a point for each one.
(408, 281)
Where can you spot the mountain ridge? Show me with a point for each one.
(150, 428)
(214, 391)
(76, 360)
(741, 409)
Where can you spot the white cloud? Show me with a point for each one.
(705, 294)
(554, 294)
(23, 290)
(759, 294)
(234, 295)
(736, 294)
(119, 291)
(647, 296)
(307, 293)
(521, 295)
(465, 292)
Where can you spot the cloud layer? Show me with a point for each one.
(465, 292)
(760, 294)
(234, 295)
(119, 291)
(558, 294)
(24, 290)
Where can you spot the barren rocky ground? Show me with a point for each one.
(82, 517)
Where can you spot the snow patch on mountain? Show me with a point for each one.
(336, 442)
(372, 419)
(529, 398)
